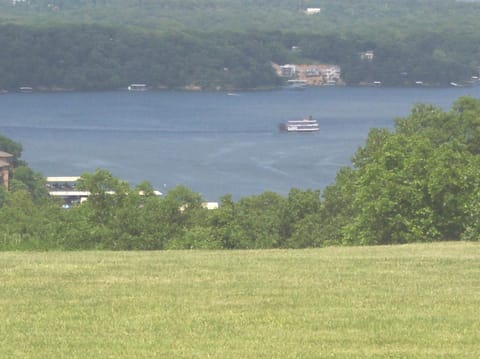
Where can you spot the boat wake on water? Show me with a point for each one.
(136, 130)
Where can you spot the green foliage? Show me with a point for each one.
(472, 227)
(415, 184)
(24, 178)
(222, 222)
(299, 216)
(195, 238)
(27, 225)
(337, 207)
(453, 179)
(366, 16)
(181, 211)
(12, 147)
(390, 201)
(112, 216)
(257, 221)
(432, 58)
(93, 57)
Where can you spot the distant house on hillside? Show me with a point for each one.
(288, 70)
(332, 73)
(367, 55)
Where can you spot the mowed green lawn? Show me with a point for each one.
(412, 301)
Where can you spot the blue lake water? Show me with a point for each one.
(213, 143)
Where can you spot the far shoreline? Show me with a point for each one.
(52, 90)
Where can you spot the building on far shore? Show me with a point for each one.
(367, 55)
(311, 74)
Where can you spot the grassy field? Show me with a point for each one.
(413, 301)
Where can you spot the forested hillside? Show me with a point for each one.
(243, 15)
(92, 57)
(225, 44)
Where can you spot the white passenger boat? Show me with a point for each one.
(304, 125)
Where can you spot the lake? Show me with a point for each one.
(214, 143)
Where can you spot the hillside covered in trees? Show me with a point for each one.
(419, 182)
(344, 16)
(217, 44)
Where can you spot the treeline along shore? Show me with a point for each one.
(419, 182)
(221, 45)
(94, 57)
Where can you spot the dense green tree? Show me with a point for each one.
(106, 191)
(25, 224)
(222, 222)
(390, 202)
(472, 227)
(454, 177)
(258, 221)
(107, 196)
(24, 178)
(337, 209)
(181, 212)
(300, 217)
(414, 184)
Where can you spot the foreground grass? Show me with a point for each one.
(410, 301)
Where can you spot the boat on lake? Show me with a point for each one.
(296, 85)
(26, 89)
(137, 87)
(304, 125)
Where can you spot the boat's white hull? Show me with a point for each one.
(315, 129)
